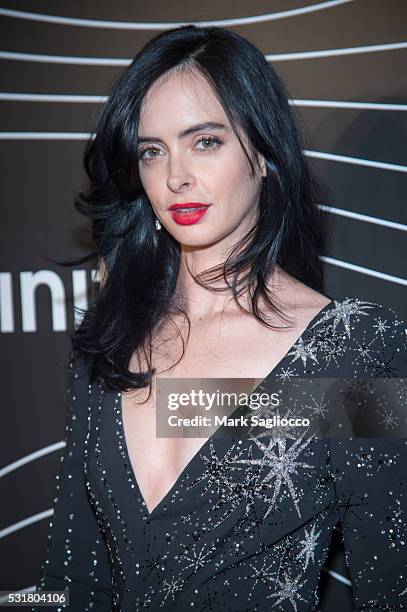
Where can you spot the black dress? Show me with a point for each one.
(247, 525)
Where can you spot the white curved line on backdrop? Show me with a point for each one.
(31, 457)
(363, 270)
(35, 518)
(337, 576)
(44, 136)
(366, 218)
(279, 57)
(30, 97)
(317, 154)
(64, 59)
(359, 161)
(352, 105)
(129, 25)
(109, 61)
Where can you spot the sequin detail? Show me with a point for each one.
(247, 526)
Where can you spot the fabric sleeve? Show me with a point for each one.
(371, 490)
(77, 557)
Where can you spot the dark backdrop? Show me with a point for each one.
(343, 63)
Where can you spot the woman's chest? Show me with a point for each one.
(241, 352)
(262, 486)
(240, 347)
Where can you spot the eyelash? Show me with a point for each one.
(211, 139)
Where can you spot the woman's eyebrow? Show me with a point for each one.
(208, 125)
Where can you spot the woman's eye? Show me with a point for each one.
(150, 154)
(142, 154)
(209, 140)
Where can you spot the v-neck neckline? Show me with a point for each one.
(157, 508)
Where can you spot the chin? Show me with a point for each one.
(197, 236)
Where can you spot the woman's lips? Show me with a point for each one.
(189, 214)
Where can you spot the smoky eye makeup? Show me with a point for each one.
(213, 141)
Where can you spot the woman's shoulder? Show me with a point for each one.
(353, 315)
(358, 315)
(372, 334)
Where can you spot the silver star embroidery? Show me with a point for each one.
(264, 574)
(279, 431)
(309, 544)
(217, 470)
(197, 559)
(171, 587)
(390, 419)
(380, 327)
(343, 311)
(363, 349)
(286, 374)
(304, 351)
(246, 491)
(289, 590)
(281, 466)
(318, 406)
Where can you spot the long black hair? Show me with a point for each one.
(139, 290)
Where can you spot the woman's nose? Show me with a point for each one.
(180, 174)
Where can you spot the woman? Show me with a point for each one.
(197, 173)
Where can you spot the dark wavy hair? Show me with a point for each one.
(139, 290)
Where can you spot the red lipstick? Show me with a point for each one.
(188, 213)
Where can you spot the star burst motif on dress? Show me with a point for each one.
(289, 590)
(286, 374)
(197, 559)
(155, 564)
(381, 327)
(343, 311)
(390, 419)
(246, 491)
(279, 431)
(171, 587)
(217, 470)
(264, 574)
(309, 544)
(281, 465)
(318, 405)
(304, 351)
(357, 387)
(382, 366)
(363, 349)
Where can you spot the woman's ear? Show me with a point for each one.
(262, 164)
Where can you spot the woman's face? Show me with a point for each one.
(203, 166)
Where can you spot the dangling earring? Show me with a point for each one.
(157, 224)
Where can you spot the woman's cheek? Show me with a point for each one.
(148, 181)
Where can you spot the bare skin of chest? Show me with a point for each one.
(225, 349)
